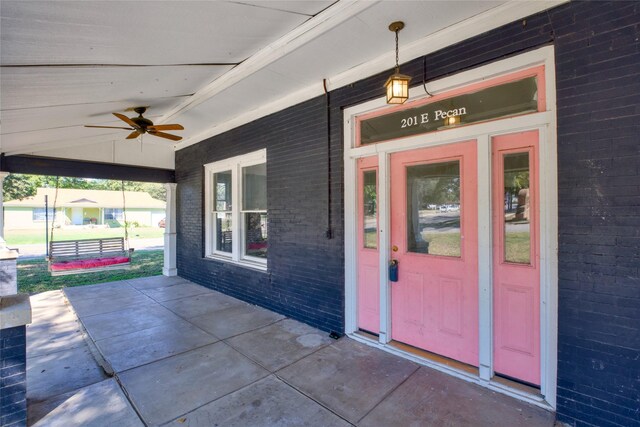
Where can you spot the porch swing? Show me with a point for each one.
(68, 257)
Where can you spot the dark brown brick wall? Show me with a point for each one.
(598, 99)
(13, 377)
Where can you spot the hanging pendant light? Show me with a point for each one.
(397, 84)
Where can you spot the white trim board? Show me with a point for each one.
(234, 165)
(545, 123)
(314, 27)
(493, 18)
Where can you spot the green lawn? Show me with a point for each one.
(517, 249)
(29, 237)
(33, 276)
(446, 244)
(371, 239)
(516, 245)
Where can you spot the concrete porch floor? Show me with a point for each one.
(182, 354)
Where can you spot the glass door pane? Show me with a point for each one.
(433, 209)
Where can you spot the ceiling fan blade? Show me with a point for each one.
(106, 127)
(166, 127)
(165, 135)
(127, 120)
(133, 135)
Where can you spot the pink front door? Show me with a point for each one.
(516, 256)
(368, 256)
(434, 237)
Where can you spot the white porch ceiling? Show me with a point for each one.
(209, 65)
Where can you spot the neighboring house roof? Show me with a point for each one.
(83, 200)
(68, 198)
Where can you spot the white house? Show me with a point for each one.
(84, 207)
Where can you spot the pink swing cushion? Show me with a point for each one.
(84, 264)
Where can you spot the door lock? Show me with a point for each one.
(393, 270)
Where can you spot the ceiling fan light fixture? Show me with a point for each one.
(141, 125)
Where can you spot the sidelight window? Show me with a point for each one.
(517, 212)
(370, 209)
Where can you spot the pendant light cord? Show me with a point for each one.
(397, 54)
(424, 66)
(329, 231)
(424, 75)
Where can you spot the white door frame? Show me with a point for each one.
(545, 123)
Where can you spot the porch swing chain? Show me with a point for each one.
(124, 215)
(53, 220)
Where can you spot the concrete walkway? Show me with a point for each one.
(65, 384)
(186, 355)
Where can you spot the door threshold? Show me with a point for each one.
(525, 388)
(422, 357)
(368, 335)
(457, 369)
(436, 358)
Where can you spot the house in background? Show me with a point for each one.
(84, 207)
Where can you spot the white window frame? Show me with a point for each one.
(114, 213)
(235, 165)
(44, 211)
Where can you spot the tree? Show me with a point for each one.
(156, 191)
(18, 186)
(79, 183)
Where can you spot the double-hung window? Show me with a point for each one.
(236, 206)
(113, 214)
(40, 214)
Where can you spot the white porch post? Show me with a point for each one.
(169, 268)
(3, 175)
(8, 257)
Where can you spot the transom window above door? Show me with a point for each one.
(511, 95)
(236, 209)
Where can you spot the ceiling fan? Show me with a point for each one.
(140, 125)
